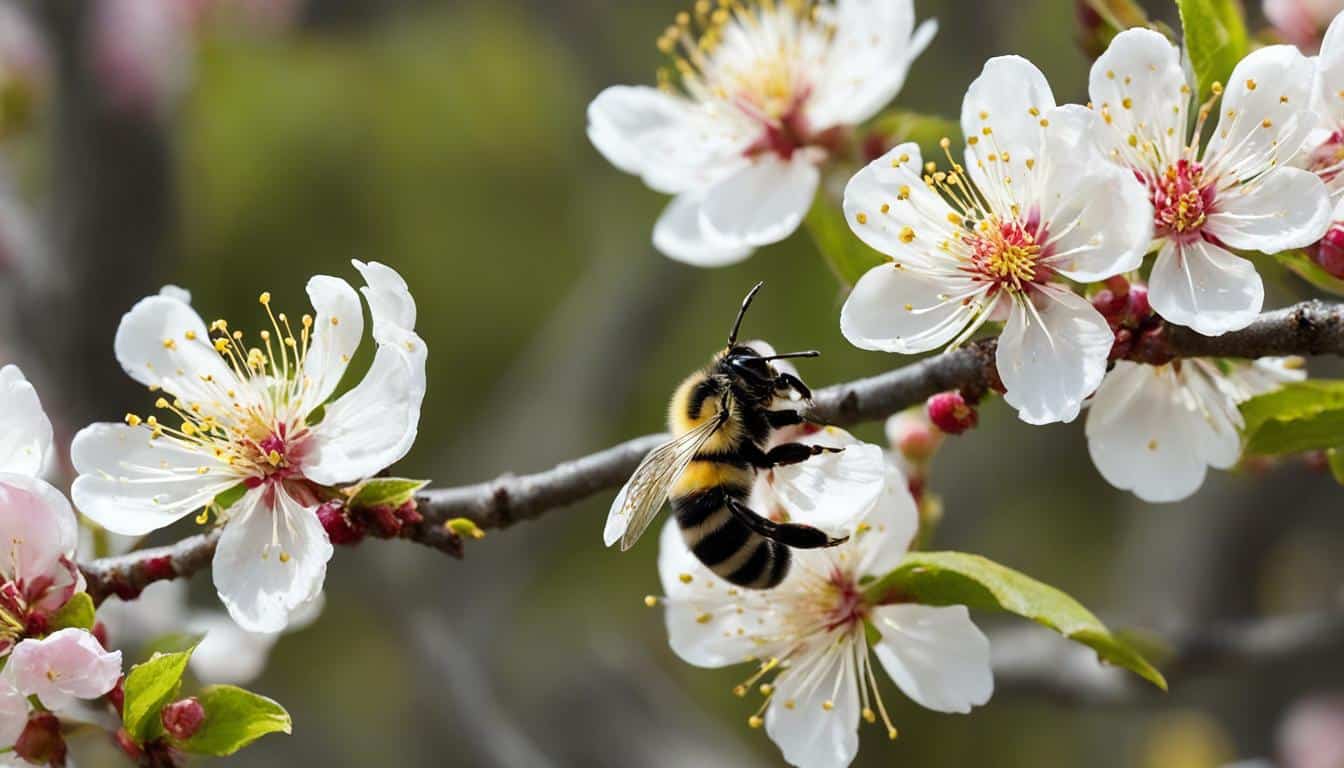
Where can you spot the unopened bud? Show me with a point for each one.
(341, 530)
(128, 745)
(911, 433)
(1139, 308)
(183, 718)
(117, 696)
(99, 633)
(949, 412)
(1111, 305)
(1329, 253)
(41, 741)
(409, 514)
(1123, 345)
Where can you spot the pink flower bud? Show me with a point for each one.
(1329, 253)
(41, 741)
(949, 412)
(183, 718)
(910, 433)
(339, 527)
(1112, 306)
(128, 745)
(409, 513)
(1139, 308)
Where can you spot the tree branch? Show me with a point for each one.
(1309, 328)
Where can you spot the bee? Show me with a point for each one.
(721, 419)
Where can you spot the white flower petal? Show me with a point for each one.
(62, 667)
(271, 559)
(889, 207)
(665, 139)
(132, 484)
(936, 655)
(176, 292)
(163, 343)
(874, 44)
(390, 302)
(39, 529)
(1265, 113)
(1002, 100)
(1053, 356)
(1205, 288)
(1328, 89)
(1283, 209)
(1097, 217)
(338, 325)
(372, 426)
(762, 203)
(13, 712)
(832, 491)
(892, 525)
(704, 625)
(1141, 87)
(893, 309)
(25, 431)
(1144, 438)
(678, 235)
(810, 734)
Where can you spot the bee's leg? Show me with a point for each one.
(786, 381)
(783, 418)
(787, 453)
(793, 535)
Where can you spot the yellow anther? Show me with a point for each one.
(740, 691)
(190, 335)
(828, 705)
(907, 235)
(755, 721)
(133, 420)
(704, 618)
(685, 578)
(862, 218)
(264, 298)
(169, 344)
(650, 601)
(766, 689)
(869, 715)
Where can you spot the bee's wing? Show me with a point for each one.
(642, 497)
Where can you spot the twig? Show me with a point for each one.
(1310, 328)
(1031, 661)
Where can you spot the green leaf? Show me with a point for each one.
(848, 257)
(227, 498)
(234, 718)
(149, 687)
(1215, 39)
(954, 578)
(78, 612)
(1301, 263)
(1299, 416)
(387, 491)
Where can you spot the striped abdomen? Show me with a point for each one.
(725, 545)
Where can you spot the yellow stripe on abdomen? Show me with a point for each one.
(700, 475)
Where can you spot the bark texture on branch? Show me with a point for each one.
(1309, 328)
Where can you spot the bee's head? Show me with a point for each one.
(749, 364)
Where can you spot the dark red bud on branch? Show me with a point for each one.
(41, 741)
(183, 718)
(949, 412)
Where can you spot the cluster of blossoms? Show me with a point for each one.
(1045, 198)
(48, 671)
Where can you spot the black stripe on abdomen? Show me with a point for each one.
(726, 546)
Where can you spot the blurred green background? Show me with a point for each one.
(447, 139)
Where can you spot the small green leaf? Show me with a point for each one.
(227, 498)
(149, 687)
(234, 718)
(1215, 39)
(78, 613)
(1299, 416)
(1300, 262)
(848, 256)
(386, 491)
(954, 578)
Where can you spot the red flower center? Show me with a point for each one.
(1009, 253)
(1182, 200)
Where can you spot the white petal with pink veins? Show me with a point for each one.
(1052, 356)
(1265, 115)
(37, 532)
(1140, 85)
(1205, 288)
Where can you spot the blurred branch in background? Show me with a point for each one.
(1307, 328)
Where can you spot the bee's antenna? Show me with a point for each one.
(737, 324)
(786, 355)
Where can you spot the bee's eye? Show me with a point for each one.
(754, 367)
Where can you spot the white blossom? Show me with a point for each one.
(242, 413)
(765, 92)
(1238, 192)
(1035, 202)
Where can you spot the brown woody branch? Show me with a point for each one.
(1309, 328)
